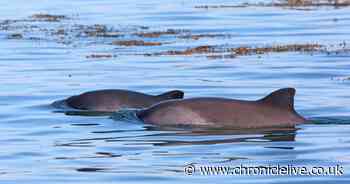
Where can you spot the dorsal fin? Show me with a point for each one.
(175, 94)
(282, 98)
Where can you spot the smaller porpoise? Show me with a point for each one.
(275, 110)
(110, 100)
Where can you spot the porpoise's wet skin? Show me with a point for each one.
(110, 100)
(275, 110)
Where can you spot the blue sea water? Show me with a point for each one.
(41, 145)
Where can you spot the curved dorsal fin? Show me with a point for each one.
(282, 98)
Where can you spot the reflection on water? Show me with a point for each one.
(45, 144)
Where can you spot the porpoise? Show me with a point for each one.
(110, 100)
(274, 110)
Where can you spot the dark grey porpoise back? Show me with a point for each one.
(276, 109)
(114, 99)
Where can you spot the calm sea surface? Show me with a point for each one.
(41, 145)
